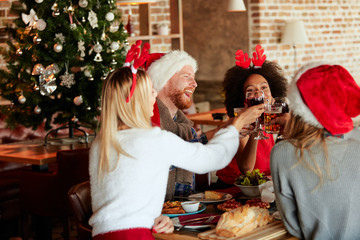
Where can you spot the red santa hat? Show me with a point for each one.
(325, 96)
(161, 67)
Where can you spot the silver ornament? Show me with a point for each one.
(78, 100)
(37, 110)
(36, 87)
(110, 16)
(58, 47)
(22, 99)
(67, 80)
(83, 3)
(88, 108)
(39, 1)
(40, 25)
(114, 46)
(87, 73)
(91, 79)
(98, 48)
(98, 58)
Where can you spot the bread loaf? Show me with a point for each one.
(213, 195)
(241, 220)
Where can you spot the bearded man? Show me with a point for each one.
(173, 76)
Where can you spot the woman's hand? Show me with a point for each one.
(163, 224)
(248, 116)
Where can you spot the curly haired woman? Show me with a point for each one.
(251, 154)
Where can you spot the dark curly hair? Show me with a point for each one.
(236, 76)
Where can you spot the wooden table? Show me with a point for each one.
(35, 153)
(184, 234)
(205, 118)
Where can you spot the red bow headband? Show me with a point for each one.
(244, 61)
(134, 54)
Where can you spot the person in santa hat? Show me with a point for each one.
(173, 76)
(316, 169)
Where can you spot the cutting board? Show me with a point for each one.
(272, 230)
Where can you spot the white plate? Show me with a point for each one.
(201, 198)
(201, 209)
(176, 223)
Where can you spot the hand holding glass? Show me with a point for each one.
(256, 98)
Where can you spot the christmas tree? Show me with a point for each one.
(58, 55)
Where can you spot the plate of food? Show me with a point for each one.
(210, 197)
(174, 209)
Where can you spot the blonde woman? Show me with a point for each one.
(316, 170)
(130, 159)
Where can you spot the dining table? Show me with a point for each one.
(36, 153)
(209, 117)
(273, 230)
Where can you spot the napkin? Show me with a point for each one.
(267, 192)
(200, 222)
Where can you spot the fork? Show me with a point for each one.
(207, 221)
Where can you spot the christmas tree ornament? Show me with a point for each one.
(114, 27)
(88, 108)
(78, 100)
(37, 110)
(93, 19)
(98, 48)
(39, 1)
(103, 36)
(40, 25)
(29, 19)
(47, 79)
(81, 48)
(110, 16)
(83, 19)
(91, 79)
(87, 73)
(60, 38)
(34, 58)
(58, 47)
(22, 99)
(36, 87)
(114, 46)
(113, 62)
(37, 39)
(83, 3)
(67, 79)
(103, 78)
(56, 13)
(19, 52)
(55, 8)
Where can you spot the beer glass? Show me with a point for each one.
(285, 109)
(253, 98)
(275, 109)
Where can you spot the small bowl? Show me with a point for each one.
(249, 191)
(190, 206)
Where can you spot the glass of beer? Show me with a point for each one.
(255, 98)
(273, 110)
(247, 129)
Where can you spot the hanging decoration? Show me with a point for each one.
(110, 16)
(81, 49)
(78, 100)
(55, 8)
(67, 79)
(19, 52)
(93, 19)
(47, 79)
(22, 99)
(37, 39)
(37, 110)
(40, 25)
(83, 3)
(98, 48)
(29, 19)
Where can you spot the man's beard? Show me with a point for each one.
(177, 97)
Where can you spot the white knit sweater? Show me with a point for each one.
(131, 196)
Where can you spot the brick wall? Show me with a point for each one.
(332, 26)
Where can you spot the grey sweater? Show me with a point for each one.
(333, 210)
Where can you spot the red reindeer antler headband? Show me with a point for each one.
(244, 61)
(134, 55)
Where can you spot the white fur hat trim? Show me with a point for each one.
(161, 70)
(296, 103)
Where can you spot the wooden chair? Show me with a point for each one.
(44, 194)
(80, 201)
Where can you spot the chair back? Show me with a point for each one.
(80, 202)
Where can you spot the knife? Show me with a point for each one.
(197, 219)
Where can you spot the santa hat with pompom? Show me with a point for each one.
(325, 96)
(161, 67)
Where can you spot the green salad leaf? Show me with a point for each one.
(252, 178)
